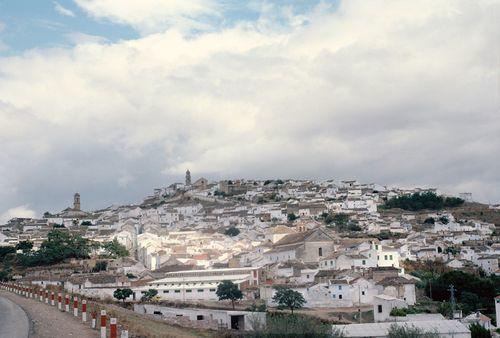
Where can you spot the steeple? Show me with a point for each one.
(76, 202)
(188, 177)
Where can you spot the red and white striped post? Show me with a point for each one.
(59, 301)
(41, 295)
(113, 331)
(46, 297)
(93, 323)
(75, 306)
(103, 323)
(52, 300)
(66, 303)
(84, 310)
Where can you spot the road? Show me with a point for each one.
(14, 322)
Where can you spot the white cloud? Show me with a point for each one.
(21, 211)
(63, 10)
(408, 97)
(153, 15)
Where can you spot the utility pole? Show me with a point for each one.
(452, 300)
(359, 302)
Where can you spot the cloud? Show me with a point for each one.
(409, 97)
(149, 16)
(21, 211)
(63, 10)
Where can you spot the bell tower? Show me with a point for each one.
(188, 177)
(76, 202)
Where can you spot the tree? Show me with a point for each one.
(232, 231)
(24, 246)
(444, 220)
(288, 298)
(5, 250)
(122, 294)
(478, 331)
(148, 295)
(291, 217)
(100, 266)
(408, 331)
(228, 290)
(425, 200)
(115, 249)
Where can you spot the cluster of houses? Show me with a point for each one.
(186, 238)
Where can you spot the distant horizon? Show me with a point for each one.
(139, 200)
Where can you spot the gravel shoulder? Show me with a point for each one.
(13, 320)
(48, 322)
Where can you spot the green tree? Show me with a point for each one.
(228, 290)
(288, 298)
(100, 266)
(477, 331)
(408, 331)
(114, 249)
(24, 246)
(148, 295)
(291, 217)
(232, 231)
(5, 250)
(122, 294)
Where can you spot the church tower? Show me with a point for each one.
(76, 202)
(188, 178)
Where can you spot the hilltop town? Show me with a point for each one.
(348, 248)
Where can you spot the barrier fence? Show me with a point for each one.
(108, 328)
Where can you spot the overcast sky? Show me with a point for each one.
(114, 98)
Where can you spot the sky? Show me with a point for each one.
(114, 98)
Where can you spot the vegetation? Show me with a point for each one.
(444, 220)
(114, 249)
(24, 246)
(340, 222)
(477, 331)
(421, 201)
(430, 220)
(288, 298)
(293, 326)
(228, 290)
(472, 292)
(122, 294)
(291, 217)
(58, 246)
(407, 331)
(148, 295)
(402, 312)
(86, 223)
(100, 266)
(232, 231)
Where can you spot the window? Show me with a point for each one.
(307, 276)
(165, 291)
(363, 262)
(334, 296)
(380, 309)
(320, 252)
(177, 291)
(362, 293)
(390, 257)
(340, 287)
(212, 290)
(331, 262)
(200, 290)
(385, 257)
(199, 317)
(376, 246)
(189, 290)
(340, 296)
